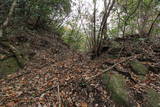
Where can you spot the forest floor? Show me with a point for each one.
(58, 76)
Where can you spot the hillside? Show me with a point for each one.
(79, 53)
(127, 73)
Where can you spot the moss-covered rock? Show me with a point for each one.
(21, 60)
(115, 44)
(138, 68)
(153, 98)
(115, 48)
(16, 53)
(115, 84)
(9, 65)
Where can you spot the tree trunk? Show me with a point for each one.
(5, 23)
(152, 25)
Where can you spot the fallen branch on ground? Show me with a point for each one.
(104, 71)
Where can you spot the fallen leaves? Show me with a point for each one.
(37, 83)
(10, 104)
(83, 104)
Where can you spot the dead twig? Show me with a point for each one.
(59, 97)
(51, 88)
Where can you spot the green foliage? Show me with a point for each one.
(36, 14)
(74, 38)
(136, 16)
(113, 32)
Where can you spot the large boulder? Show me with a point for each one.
(115, 84)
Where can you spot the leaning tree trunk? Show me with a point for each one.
(5, 23)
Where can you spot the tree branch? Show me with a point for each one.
(126, 59)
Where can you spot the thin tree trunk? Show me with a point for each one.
(152, 25)
(6, 22)
(94, 22)
(104, 26)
